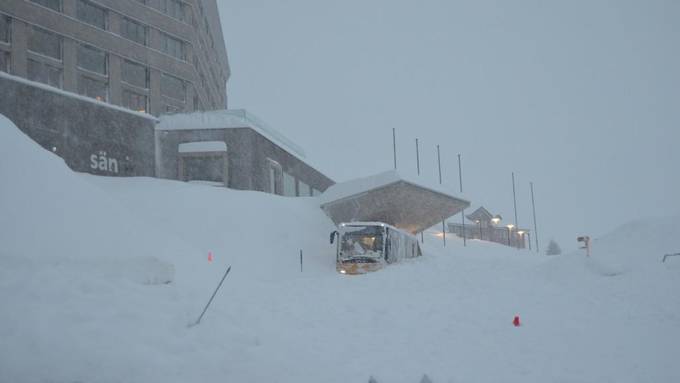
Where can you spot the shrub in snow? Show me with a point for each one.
(553, 248)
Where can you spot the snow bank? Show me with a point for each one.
(633, 247)
(85, 263)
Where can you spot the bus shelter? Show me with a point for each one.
(390, 198)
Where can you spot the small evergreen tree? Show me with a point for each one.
(553, 248)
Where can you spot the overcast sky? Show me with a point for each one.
(580, 97)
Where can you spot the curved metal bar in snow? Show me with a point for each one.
(669, 255)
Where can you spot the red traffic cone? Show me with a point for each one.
(210, 256)
(516, 321)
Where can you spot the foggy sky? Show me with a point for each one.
(580, 97)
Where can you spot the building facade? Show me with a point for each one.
(153, 56)
(484, 226)
(235, 149)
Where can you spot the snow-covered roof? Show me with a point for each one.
(224, 119)
(389, 197)
(360, 185)
(75, 95)
(202, 147)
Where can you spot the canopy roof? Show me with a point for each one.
(389, 198)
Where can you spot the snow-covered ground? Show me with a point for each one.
(99, 278)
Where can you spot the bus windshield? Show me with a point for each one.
(362, 241)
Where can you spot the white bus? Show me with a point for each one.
(368, 246)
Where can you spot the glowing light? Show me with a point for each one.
(510, 226)
(496, 220)
(521, 232)
(343, 272)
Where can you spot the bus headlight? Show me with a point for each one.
(343, 271)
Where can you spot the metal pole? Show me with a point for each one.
(417, 157)
(394, 147)
(444, 231)
(508, 236)
(300, 260)
(533, 206)
(514, 200)
(439, 164)
(480, 230)
(462, 212)
(211, 298)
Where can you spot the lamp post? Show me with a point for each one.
(521, 237)
(479, 222)
(509, 226)
(495, 221)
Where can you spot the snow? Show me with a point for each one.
(202, 147)
(360, 185)
(99, 278)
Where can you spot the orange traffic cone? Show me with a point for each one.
(516, 321)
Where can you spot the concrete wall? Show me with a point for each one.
(77, 129)
(247, 157)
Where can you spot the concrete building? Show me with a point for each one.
(235, 149)
(154, 56)
(87, 80)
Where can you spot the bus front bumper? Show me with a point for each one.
(357, 268)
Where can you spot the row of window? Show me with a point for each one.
(172, 8)
(97, 16)
(286, 184)
(93, 72)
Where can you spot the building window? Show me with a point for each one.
(5, 29)
(173, 87)
(288, 185)
(274, 173)
(172, 109)
(172, 8)
(51, 4)
(135, 101)
(304, 189)
(91, 14)
(92, 59)
(211, 168)
(135, 74)
(4, 61)
(90, 87)
(133, 30)
(45, 43)
(172, 46)
(44, 73)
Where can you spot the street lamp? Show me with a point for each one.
(496, 220)
(509, 226)
(521, 236)
(479, 222)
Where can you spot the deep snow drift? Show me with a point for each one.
(99, 278)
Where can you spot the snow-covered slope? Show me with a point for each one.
(99, 278)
